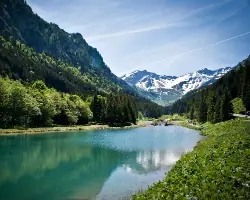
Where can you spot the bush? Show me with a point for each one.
(238, 106)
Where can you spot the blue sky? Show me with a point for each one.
(170, 37)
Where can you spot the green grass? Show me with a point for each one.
(191, 126)
(170, 118)
(242, 118)
(217, 168)
(175, 117)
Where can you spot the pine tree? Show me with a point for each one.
(132, 111)
(217, 113)
(98, 107)
(114, 106)
(94, 107)
(191, 114)
(202, 111)
(226, 106)
(246, 98)
(211, 101)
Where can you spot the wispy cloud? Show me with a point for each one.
(129, 32)
(176, 22)
(198, 49)
(160, 36)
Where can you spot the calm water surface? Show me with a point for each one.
(106, 164)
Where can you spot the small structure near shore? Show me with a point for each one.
(166, 122)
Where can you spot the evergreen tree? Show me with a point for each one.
(211, 101)
(217, 110)
(111, 110)
(226, 106)
(132, 111)
(98, 107)
(191, 114)
(94, 108)
(217, 96)
(202, 111)
(246, 98)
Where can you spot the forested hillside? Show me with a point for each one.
(36, 105)
(52, 77)
(18, 22)
(215, 102)
(17, 61)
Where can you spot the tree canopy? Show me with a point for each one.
(216, 103)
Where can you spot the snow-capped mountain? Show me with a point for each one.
(166, 89)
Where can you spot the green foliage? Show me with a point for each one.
(32, 50)
(98, 107)
(56, 46)
(224, 128)
(202, 110)
(213, 103)
(177, 117)
(17, 61)
(155, 122)
(163, 117)
(37, 105)
(191, 113)
(17, 107)
(194, 125)
(217, 111)
(23, 63)
(140, 115)
(121, 110)
(226, 106)
(218, 168)
(238, 106)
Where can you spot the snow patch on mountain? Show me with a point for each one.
(171, 86)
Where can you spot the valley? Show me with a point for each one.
(72, 128)
(165, 90)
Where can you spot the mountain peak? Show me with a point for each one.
(163, 85)
(206, 71)
(19, 22)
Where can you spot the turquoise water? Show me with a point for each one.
(106, 164)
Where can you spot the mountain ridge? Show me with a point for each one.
(33, 49)
(167, 89)
(19, 22)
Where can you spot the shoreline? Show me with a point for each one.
(62, 129)
(186, 125)
(222, 139)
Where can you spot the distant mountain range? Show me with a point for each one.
(164, 89)
(90, 74)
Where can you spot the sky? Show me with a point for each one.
(168, 37)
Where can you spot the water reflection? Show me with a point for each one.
(83, 165)
(157, 159)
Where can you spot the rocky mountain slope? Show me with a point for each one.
(166, 89)
(19, 22)
(32, 49)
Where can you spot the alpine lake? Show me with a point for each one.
(103, 164)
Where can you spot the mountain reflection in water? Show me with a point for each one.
(107, 164)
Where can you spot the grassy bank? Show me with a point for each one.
(181, 121)
(59, 129)
(217, 168)
(187, 125)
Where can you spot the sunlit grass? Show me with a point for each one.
(217, 168)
